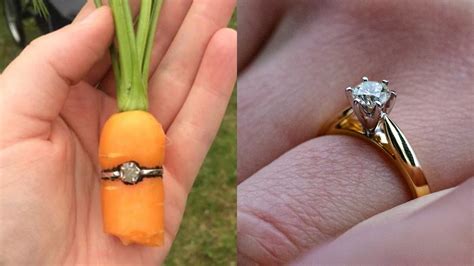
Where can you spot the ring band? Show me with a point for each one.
(131, 173)
(375, 125)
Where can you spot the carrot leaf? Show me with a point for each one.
(133, 51)
(40, 7)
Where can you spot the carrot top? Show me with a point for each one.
(131, 54)
(133, 51)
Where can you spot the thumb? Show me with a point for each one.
(36, 84)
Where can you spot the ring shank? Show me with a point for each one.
(391, 140)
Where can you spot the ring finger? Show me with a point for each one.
(322, 187)
(294, 88)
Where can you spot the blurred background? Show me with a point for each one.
(207, 235)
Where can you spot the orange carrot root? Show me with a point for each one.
(134, 213)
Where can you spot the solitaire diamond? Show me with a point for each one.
(370, 92)
(130, 172)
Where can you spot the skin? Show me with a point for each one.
(386, 241)
(298, 188)
(52, 114)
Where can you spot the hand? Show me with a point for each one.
(436, 228)
(299, 189)
(52, 114)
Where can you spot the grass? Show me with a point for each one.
(8, 49)
(207, 235)
(208, 232)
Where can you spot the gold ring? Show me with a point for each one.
(371, 102)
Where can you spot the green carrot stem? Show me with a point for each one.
(157, 4)
(131, 70)
(143, 28)
(131, 94)
(115, 64)
(131, 55)
(113, 53)
(123, 41)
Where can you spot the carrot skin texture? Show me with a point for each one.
(134, 213)
(132, 136)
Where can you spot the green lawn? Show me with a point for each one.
(207, 235)
(208, 232)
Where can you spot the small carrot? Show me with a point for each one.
(134, 213)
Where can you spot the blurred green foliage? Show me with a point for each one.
(208, 233)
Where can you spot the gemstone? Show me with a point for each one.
(130, 172)
(369, 92)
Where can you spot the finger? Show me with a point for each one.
(172, 81)
(315, 192)
(196, 125)
(100, 69)
(88, 8)
(311, 194)
(169, 22)
(433, 230)
(36, 84)
(264, 13)
(171, 16)
(297, 86)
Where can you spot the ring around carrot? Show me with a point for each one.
(132, 205)
(134, 213)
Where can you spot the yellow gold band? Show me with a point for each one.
(390, 138)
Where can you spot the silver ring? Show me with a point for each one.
(131, 173)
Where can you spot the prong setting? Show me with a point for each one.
(372, 121)
(390, 103)
(370, 101)
(357, 102)
(358, 110)
(349, 93)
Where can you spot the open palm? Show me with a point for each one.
(52, 114)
